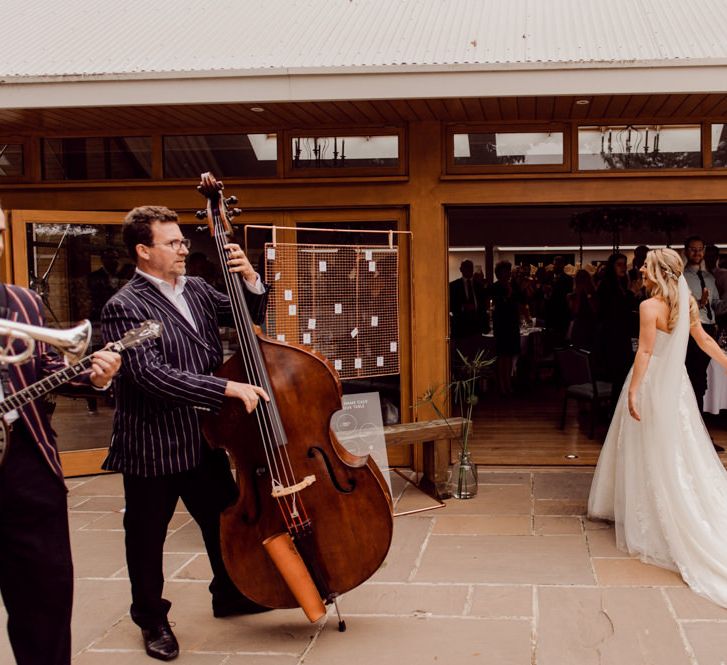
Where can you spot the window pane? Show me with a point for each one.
(97, 158)
(11, 160)
(639, 147)
(719, 145)
(345, 152)
(251, 155)
(508, 148)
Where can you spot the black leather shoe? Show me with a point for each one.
(718, 448)
(160, 642)
(236, 607)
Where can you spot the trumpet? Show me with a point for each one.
(71, 342)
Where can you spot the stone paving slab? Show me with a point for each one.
(506, 559)
(607, 627)
(399, 640)
(516, 576)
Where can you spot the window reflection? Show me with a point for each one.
(719, 145)
(345, 151)
(508, 148)
(11, 160)
(248, 155)
(106, 158)
(639, 147)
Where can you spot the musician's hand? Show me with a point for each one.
(249, 394)
(104, 366)
(238, 262)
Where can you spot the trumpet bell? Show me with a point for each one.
(71, 342)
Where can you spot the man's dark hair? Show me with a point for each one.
(691, 239)
(502, 267)
(137, 226)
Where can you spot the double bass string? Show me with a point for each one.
(255, 372)
(268, 421)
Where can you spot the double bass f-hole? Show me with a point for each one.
(331, 473)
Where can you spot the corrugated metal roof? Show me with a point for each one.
(90, 39)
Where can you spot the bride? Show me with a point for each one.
(658, 477)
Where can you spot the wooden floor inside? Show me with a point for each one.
(523, 430)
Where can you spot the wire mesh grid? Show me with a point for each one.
(340, 300)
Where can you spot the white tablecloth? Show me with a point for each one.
(716, 396)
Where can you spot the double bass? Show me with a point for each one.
(312, 520)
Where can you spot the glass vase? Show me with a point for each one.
(463, 481)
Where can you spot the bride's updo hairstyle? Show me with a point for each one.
(663, 269)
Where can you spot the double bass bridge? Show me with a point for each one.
(280, 490)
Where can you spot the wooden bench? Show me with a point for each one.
(433, 459)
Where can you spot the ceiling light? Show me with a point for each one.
(583, 102)
(257, 109)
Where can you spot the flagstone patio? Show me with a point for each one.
(515, 576)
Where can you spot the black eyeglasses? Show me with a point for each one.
(175, 244)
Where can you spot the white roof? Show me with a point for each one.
(82, 41)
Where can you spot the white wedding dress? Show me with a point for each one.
(660, 479)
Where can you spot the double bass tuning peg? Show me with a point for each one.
(231, 200)
(201, 214)
(234, 212)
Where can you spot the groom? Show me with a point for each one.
(704, 289)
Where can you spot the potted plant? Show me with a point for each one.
(462, 392)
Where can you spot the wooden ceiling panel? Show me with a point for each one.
(544, 108)
(456, 110)
(653, 105)
(712, 104)
(562, 108)
(670, 105)
(634, 106)
(372, 111)
(616, 105)
(693, 106)
(525, 108)
(438, 109)
(334, 114)
(490, 109)
(232, 117)
(508, 108)
(403, 110)
(473, 110)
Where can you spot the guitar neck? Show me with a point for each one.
(40, 388)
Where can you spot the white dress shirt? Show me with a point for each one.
(175, 294)
(695, 286)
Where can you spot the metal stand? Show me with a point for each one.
(431, 495)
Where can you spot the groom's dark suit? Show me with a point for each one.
(157, 442)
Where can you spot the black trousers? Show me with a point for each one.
(697, 362)
(150, 502)
(36, 571)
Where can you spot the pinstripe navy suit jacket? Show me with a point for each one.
(26, 307)
(163, 382)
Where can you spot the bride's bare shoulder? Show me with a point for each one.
(656, 304)
(656, 310)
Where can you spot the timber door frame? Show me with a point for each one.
(74, 462)
(86, 462)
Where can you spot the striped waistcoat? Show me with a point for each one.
(164, 382)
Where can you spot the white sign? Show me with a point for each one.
(360, 429)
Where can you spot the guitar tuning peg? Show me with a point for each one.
(231, 200)
(201, 214)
